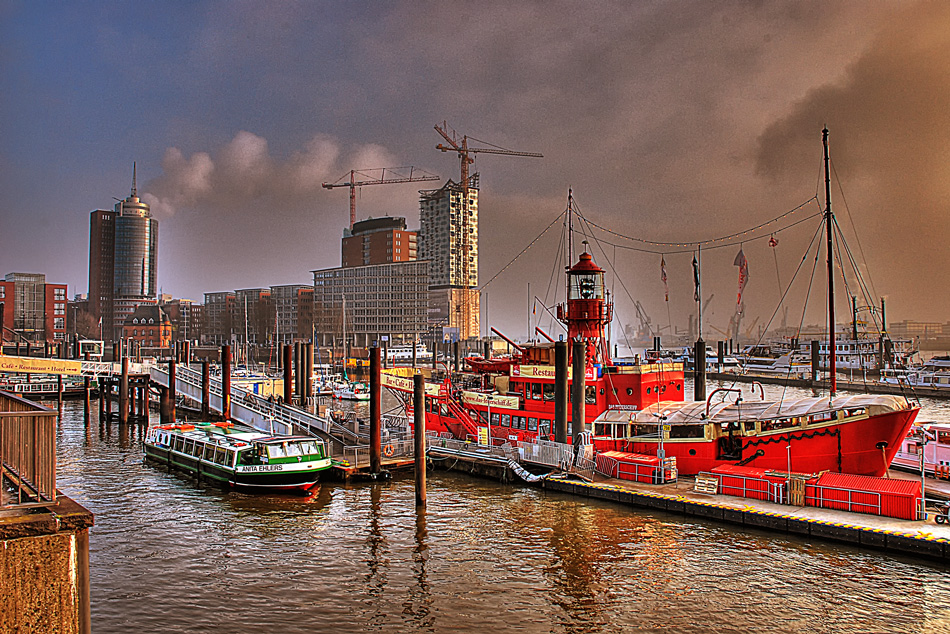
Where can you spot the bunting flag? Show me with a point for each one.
(695, 279)
(743, 277)
(772, 242)
(666, 287)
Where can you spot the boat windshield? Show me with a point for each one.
(293, 449)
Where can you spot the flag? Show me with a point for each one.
(743, 265)
(695, 279)
(666, 287)
(100, 322)
(773, 242)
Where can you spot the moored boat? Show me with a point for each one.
(351, 391)
(927, 443)
(239, 457)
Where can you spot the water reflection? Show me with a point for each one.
(169, 554)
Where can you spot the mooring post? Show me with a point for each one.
(298, 374)
(721, 354)
(145, 402)
(419, 431)
(375, 418)
(560, 392)
(124, 392)
(457, 350)
(59, 393)
(87, 394)
(815, 360)
(163, 405)
(288, 374)
(699, 370)
(172, 390)
(206, 390)
(226, 382)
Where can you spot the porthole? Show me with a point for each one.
(629, 391)
(692, 452)
(648, 390)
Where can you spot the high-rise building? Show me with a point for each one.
(378, 241)
(31, 309)
(218, 317)
(123, 261)
(285, 303)
(448, 239)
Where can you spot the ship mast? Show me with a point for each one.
(829, 221)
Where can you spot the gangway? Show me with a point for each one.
(252, 410)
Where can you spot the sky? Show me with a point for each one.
(673, 123)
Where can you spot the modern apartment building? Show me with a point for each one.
(378, 241)
(31, 309)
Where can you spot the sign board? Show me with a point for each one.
(450, 334)
(385, 337)
(404, 384)
(483, 436)
(490, 400)
(33, 365)
(546, 372)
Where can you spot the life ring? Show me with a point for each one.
(389, 451)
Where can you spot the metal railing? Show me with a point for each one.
(359, 455)
(750, 487)
(27, 453)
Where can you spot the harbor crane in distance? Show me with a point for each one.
(368, 177)
(463, 150)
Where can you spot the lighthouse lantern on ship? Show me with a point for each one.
(588, 309)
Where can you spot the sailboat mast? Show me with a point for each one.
(829, 221)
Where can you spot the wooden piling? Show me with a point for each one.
(578, 388)
(59, 393)
(172, 390)
(307, 373)
(288, 374)
(124, 392)
(87, 394)
(226, 382)
(560, 392)
(419, 418)
(699, 370)
(206, 390)
(163, 405)
(375, 409)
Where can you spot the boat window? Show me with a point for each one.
(549, 391)
(590, 395)
(506, 420)
(644, 430)
(688, 431)
(483, 418)
(536, 391)
(522, 422)
(229, 457)
(220, 455)
(190, 447)
(179, 443)
(532, 424)
(495, 418)
(749, 427)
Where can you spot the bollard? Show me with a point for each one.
(419, 436)
(375, 419)
(560, 392)
(59, 392)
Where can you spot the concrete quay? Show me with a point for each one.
(923, 539)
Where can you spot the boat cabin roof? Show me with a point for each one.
(692, 412)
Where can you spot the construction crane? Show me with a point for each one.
(463, 150)
(395, 175)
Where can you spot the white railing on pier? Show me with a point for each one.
(251, 409)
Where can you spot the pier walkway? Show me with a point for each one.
(252, 410)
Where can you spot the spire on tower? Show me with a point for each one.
(134, 188)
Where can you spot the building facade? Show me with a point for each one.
(218, 318)
(149, 327)
(31, 309)
(378, 241)
(448, 239)
(253, 316)
(363, 304)
(285, 304)
(123, 261)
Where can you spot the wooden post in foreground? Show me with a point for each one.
(419, 416)
(375, 418)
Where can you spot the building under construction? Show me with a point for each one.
(448, 239)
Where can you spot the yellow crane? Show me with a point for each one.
(368, 177)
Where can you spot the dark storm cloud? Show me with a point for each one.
(672, 121)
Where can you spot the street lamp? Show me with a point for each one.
(661, 423)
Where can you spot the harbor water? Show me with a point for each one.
(168, 554)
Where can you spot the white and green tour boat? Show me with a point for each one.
(239, 457)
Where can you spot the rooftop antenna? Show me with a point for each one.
(134, 188)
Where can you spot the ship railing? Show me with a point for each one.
(453, 446)
(27, 453)
(359, 455)
(855, 501)
(750, 487)
(548, 453)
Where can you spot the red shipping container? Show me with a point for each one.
(890, 497)
(750, 482)
(636, 467)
